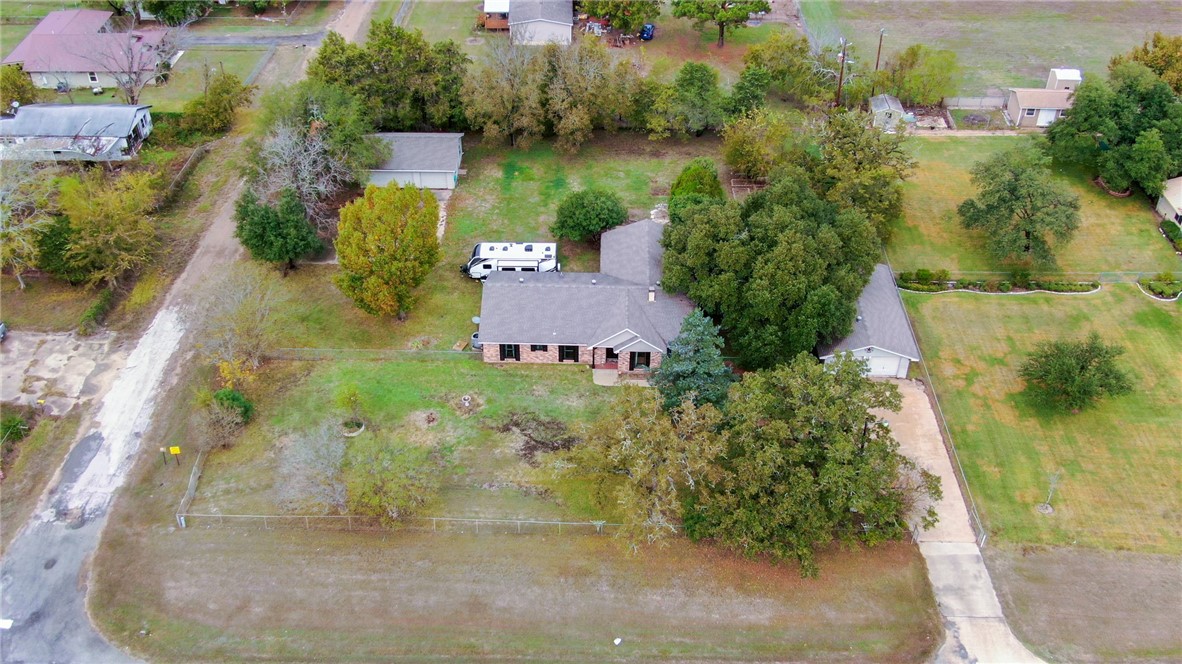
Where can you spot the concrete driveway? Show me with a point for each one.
(50, 366)
(975, 627)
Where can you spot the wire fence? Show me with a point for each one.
(369, 354)
(351, 522)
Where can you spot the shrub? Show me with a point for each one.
(925, 288)
(236, 401)
(390, 479)
(942, 276)
(1173, 233)
(585, 215)
(906, 277)
(699, 177)
(12, 429)
(93, 317)
(1164, 276)
(53, 241)
(923, 276)
(1005, 287)
(964, 283)
(1021, 278)
(990, 286)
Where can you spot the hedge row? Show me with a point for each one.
(1172, 232)
(996, 286)
(94, 316)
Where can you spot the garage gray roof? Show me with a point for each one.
(587, 308)
(554, 11)
(882, 321)
(428, 152)
(69, 120)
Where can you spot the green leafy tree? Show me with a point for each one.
(391, 479)
(278, 234)
(794, 69)
(691, 105)
(503, 94)
(1148, 163)
(111, 232)
(754, 144)
(27, 195)
(750, 92)
(1162, 54)
(213, 112)
(15, 85)
(644, 461)
(699, 177)
(1077, 137)
(578, 84)
(627, 16)
(1075, 374)
(53, 243)
(1022, 211)
(726, 16)
(177, 12)
(923, 76)
(694, 368)
(810, 463)
(585, 215)
(386, 247)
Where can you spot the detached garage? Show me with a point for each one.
(882, 335)
(538, 22)
(431, 161)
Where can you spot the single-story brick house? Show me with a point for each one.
(1039, 107)
(882, 334)
(617, 318)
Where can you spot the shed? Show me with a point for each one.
(427, 160)
(538, 22)
(882, 334)
(887, 111)
(1169, 204)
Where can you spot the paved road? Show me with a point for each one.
(975, 627)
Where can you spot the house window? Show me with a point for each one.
(612, 355)
(1030, 112)
(93, 77)
(568, 353)
(640, 361)
(539, 348)
(510, 352)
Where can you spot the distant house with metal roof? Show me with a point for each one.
(428, 160)
(538, 22)
(1039, 107)
(68, 132)
(617, 319)
(887, 111)
(78, 48)
(882, 334)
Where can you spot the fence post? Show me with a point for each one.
(221, 520)
(350, 517)
(518, 527)
(180, 520)
(432, 524)
(265, 527)
(305, 523)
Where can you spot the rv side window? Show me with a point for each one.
(508, 269)
(529, 247)
(528, 269)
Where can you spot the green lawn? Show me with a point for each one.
(1000, 44)
(46, 304)
(11, 35)
(677, 41)
(32, 9)
(1115, 234)
(1121, 462)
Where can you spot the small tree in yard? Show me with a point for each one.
(391, 479)
(111, 233)
(1022, 211)
(757, 142)
(646, 461)
(235, 317)
(386, 247)
(15, 85)
(585, 215)
(350, 400)
(26, 195)
(275, 234)
(1075, 374)
(694, 368)
(690, 106)
(725, 14)
(700, 176)
(219, 417)
(311, 479)
(213, 111)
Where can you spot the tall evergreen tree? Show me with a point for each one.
(275, 234)
(694, 368)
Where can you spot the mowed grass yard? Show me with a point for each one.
(1115, 234)
(1000, 44)
(1120, 462)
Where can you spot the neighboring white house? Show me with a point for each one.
(1169, 205)
(882, 335)
(427, 160)
(538, 22)
(76, 48)
(67, 132)
(888, 112)
(1039, 107)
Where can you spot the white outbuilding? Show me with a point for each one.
(882, 334)
(1169, 204)
(427, 160)
(538, 22)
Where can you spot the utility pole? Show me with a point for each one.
(874, 81)
(841, 74)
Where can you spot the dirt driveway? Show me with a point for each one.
(51, 366)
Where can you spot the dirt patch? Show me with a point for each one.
(538, 435)
(421, 343)
(464, 405)
(423, 419)
(1084, 605)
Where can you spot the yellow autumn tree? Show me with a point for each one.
(386, 246)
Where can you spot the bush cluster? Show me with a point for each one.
(12, 428)
(235, 400)
(1173, 233)
(93, 317)
(1163, 284)
(928, 281)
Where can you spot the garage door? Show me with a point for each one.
(884, 366)
(1046, 116)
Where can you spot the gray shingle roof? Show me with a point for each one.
(885, 102)
(585, 308)
(883, 321)
(38, 120)
(555, 11)
(422, 152)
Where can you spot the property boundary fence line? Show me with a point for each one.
(352, 522)
(317, 354)
(183, 175)
(1128, 276)
(191, 490)
(260, 65)
(975, 103)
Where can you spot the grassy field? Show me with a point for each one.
(46, 304)
(33, 9)
(1120, 462)
(11, 35)
(303, 16)
(34, 463)
(1000, 44)
(1115, 234)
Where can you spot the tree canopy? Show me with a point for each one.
(627, 16)
(276, 234)
(111, 232)
(1075, 374)
(213, 111)
(690, 106)
(723, 14)
(694, 369)
(1162, 54)
(795, 75)
(177, 12)
(27, 202)
(808, 462)
(15, 85)
(922, 76)
(1024, 214)
(586, 214)
(699, 177)
(758, 142)
(386, 247)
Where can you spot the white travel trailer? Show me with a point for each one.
(489, 257)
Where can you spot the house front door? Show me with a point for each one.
(611, 359)
(639, 360)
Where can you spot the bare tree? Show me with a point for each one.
(134, 59)
(310, 477)
(291, 158)
(215, 424)
(26, 191)
(235, 316)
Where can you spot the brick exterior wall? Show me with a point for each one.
(492, 353)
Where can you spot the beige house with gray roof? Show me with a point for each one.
(1039, 107)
